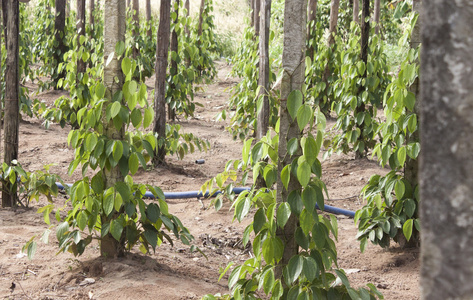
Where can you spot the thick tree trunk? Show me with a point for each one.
(257, 17)
(81, 31)
(136, 26)
(201, 16)
(160, 84)
(60, 46)
(188, 8)
(114, 32)
(174, 48)
(12, 91)
(376, 14)
(295, 15)
(365, 34)
(356, 11)
(446, 167)
(263, 81)
(312, 25)
(149, 33)
(252, 12)
(91, 13)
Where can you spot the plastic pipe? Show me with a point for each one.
(236, 190)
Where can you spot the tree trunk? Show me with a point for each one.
(186, 28)
(201, 16)
(334, 7)
(257, 17)
(149, 33)
(1, 82)
(114, 32)
(356, 11)
(312, 25)
(377, 12)
(60, 46)
(252, 12)
(295, 15)
(12, 91)
(263, 115)
(174, 48)
(81, 31)
(365, 34)
(136, 26)
(68, 8)
(91, 13)
(160, 84)
(446, 167)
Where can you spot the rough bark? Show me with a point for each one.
(114, 31)
(12, 91)
(91, 13)
(160, 83)
(365, 34)
(149, 33)
(446, 167)
(80, 26)
(136, 26)
(356, 11)
(201, 16)
(59, 25)
(376, 14)
(334, 7)
(252, 12)
(295, 26)
(312, 24)
(257, 17)
(263, 81)
(174, 48)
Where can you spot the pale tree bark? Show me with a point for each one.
(188, 8)
(149, 33)
(136, 25)
(257, 16)
(334, 7)
(60, 46)
(91, 13)
(263, 80)
(80, 25)
(376, 14)
(174, 48)
(160, 83)
(356, 11)
(12, 92)
(312, 25)
(114, 32)
(295, 26)
(252, 12)
(446, 165)
(365, 35)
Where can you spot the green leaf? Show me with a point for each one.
(81, 220)
(117, 150)
(412, 124)
(259, 220)
(242, 208)
(399, 189)
(401, 155)
(136, 117)
(310, 268)
(410, 100)
(294, 268)
(268, 282)
(286, 175)
(292, 146)
(306, 221)
(310, 150)
(304, 114)
(116, 229)
(413, 150)
(148, 117)
(283, 214)
(91, 142)
(407, 229)
(120, 48)
(153, 212)
(133, 163)
(294, 101)
(295, 201)
(303, 173)
(108, 202)
(309, 198)
(115, 109)
(410, 207)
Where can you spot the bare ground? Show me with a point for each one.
(174, 272)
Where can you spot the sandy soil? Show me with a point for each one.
(174, 272)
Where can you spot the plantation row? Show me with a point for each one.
(294, 74)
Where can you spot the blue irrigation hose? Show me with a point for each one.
(236, 190)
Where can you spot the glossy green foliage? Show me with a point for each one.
(313, 272)
(393, 200)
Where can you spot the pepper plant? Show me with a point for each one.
(120, 210)
(313, 272)
(393, 199)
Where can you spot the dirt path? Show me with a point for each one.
(174, 272)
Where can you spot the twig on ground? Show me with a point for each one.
(24, 291)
